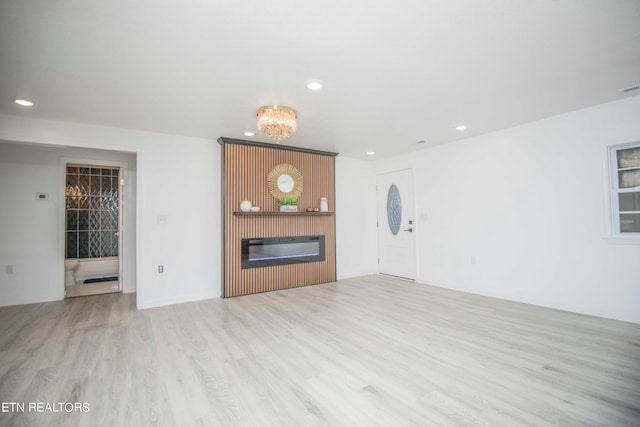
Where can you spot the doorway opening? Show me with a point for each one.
(93, 218)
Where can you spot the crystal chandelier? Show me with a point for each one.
(277, 122)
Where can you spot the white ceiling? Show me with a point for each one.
(395, 72)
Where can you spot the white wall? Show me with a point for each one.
(178, 177)
(356, 239)
(530, 204)
(32, 237)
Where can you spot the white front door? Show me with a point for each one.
(396, 224)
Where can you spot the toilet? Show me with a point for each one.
(70, 268)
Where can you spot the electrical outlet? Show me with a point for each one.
(9, 269)
(161, 269)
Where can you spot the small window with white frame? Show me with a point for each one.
(625, 189)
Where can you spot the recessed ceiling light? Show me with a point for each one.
(249, 133)
(461, 127)
(371, 153)
(314, 85)
(23, 102)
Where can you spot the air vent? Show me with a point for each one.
(630, 88)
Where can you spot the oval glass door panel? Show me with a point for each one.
(394, 209)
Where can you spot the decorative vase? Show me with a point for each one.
(245, 206)
(324, 206)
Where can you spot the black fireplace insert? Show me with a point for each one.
(265, 252)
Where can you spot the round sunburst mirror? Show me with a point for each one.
(284, 180)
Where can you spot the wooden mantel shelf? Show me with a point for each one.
(271, 213)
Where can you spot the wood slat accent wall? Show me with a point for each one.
(245, 170)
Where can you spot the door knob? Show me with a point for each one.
(410, 230)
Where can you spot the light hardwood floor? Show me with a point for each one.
(365, 351)
(83, 290)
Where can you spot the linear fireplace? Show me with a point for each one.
(265, 252)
